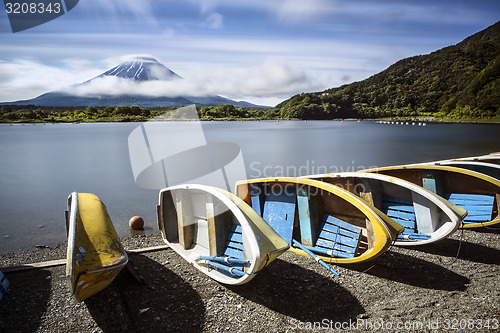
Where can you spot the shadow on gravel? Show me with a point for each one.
(412, 271)
(300, 293)
(494, 229)
(166, 303)
(468, 251)
(26, 302)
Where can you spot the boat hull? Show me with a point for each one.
(198, 221)
(321, 200)
(433, 217)
(95, 255)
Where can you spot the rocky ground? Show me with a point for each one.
(405, 289)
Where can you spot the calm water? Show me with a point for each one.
(40, 165)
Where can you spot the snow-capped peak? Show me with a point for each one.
(141, 68)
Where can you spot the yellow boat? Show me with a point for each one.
(217, 232)
(475, 192)
(332, 223)
(95, 255)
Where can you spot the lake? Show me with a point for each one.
(40, 165)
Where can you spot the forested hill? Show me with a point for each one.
(460, 82)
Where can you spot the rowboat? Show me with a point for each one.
(217, 232)
(493, 158)
(475, 192)
(95, 255)
(427, 217)
(490, 169)
(332, 223)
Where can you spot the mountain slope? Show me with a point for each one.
(134, 72)
(463, 76)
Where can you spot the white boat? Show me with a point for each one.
(475, 192)
(217, 232)
(484, 167)
(493, 158)
(427, 217)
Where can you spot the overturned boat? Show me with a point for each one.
(475, 192)
(217, 232)
(95, 255)
(425, 216)
(334, 224)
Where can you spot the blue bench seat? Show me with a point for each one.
(232, 261)
(337, 238)
(403, 212)
(479, 207)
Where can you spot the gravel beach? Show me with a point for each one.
(425, 288)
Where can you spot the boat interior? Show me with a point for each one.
(317, 218)
(479, 197)
(419, 215)
(199, 226)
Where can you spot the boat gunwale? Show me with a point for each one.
(70, 262)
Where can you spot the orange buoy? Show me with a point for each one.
(136, 223)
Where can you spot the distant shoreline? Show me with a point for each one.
(400, 121)
(40, 114)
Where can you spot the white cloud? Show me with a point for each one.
(26, 79)
(214, 21)
(274, 78)
(115, 9)
(251, 69)
(300, 10)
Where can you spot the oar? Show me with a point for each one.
(315, 257)
(231, 270)
(132, 268)
(414, 236)
(225, 260)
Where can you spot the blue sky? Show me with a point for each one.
(262, 51)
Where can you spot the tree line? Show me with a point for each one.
(123, 113)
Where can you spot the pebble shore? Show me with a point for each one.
(421, 289)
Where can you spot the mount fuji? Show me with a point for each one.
(131, 73)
